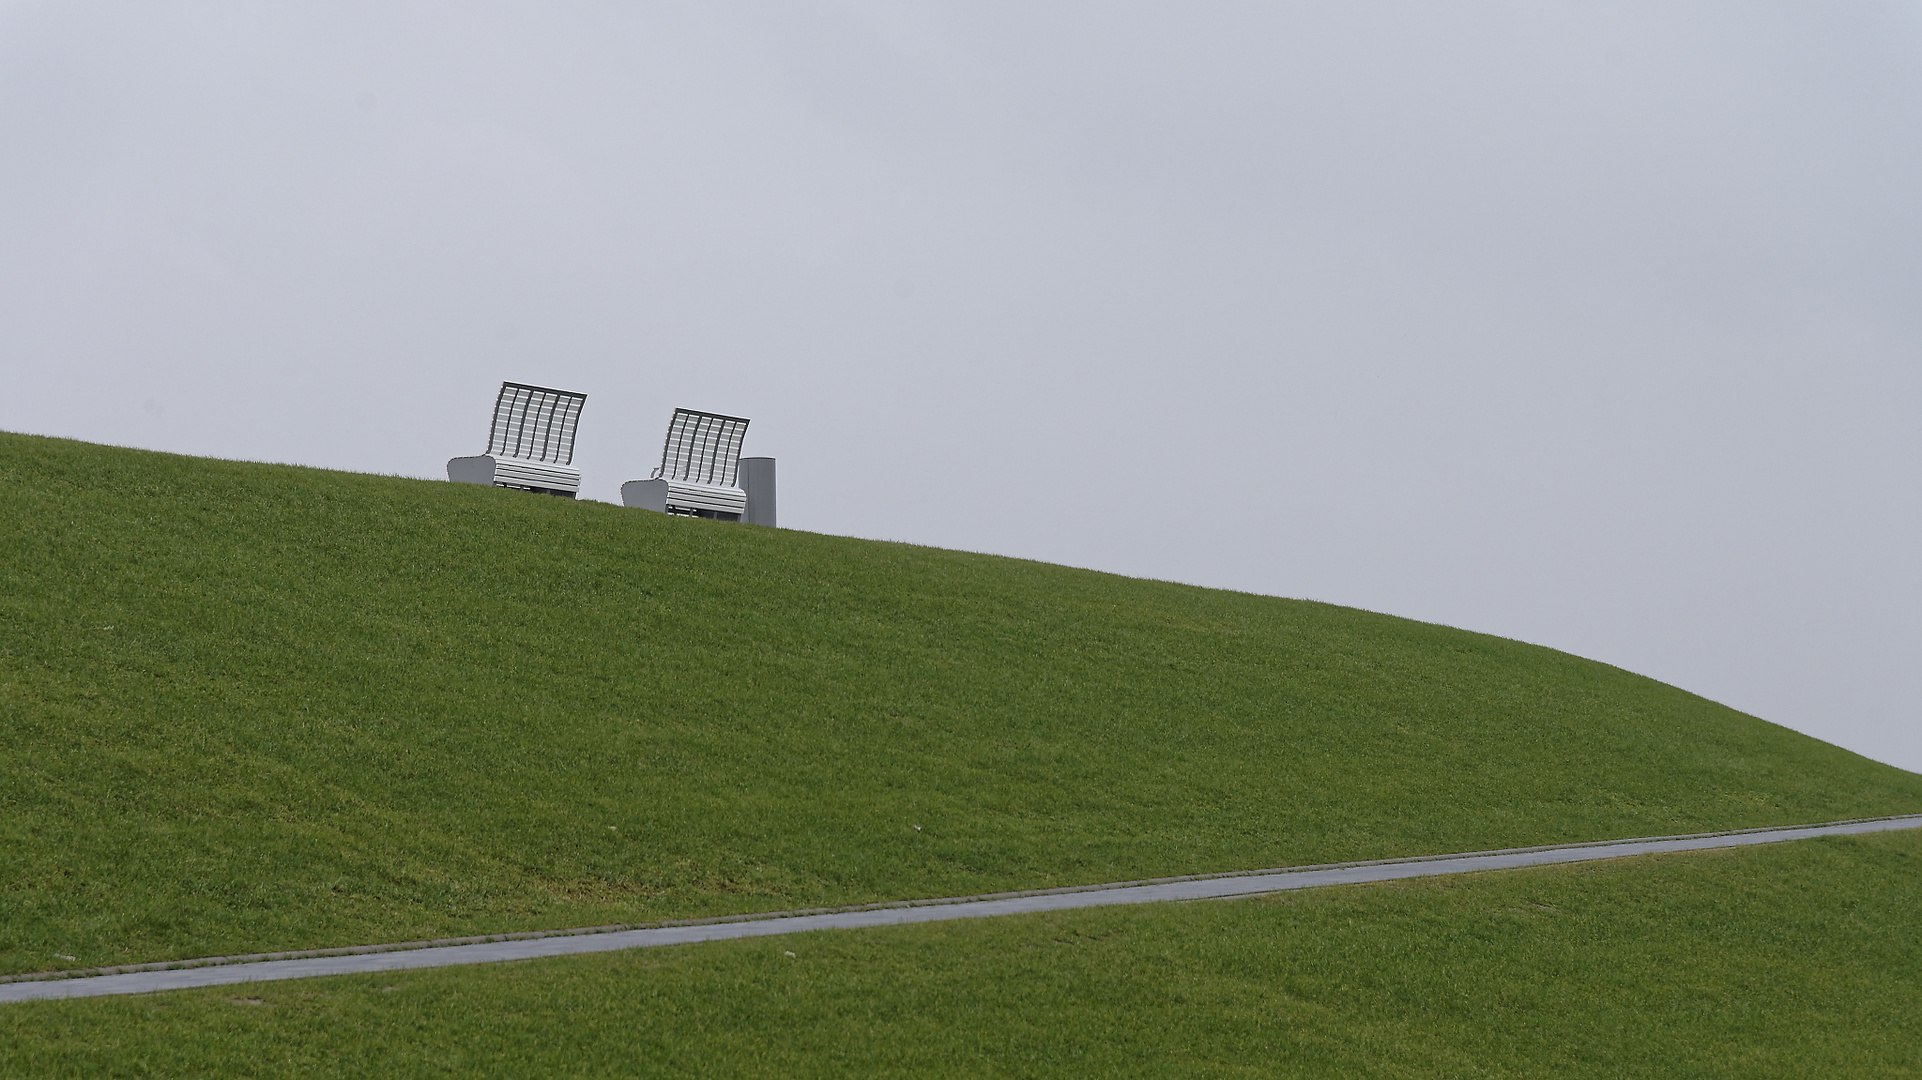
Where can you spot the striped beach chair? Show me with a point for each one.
(530, 445)
(699, 473)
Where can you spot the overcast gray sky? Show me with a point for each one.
(1598, 326)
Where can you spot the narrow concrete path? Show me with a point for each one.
(227, 971)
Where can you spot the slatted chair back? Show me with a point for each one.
(535, 423)
(702, 448)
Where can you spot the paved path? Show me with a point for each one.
(222, 972)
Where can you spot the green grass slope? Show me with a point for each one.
(1795, 960)
(249, 707)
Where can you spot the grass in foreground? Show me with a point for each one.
(248, 707)
(1795, 960)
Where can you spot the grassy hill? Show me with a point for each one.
(249, 707)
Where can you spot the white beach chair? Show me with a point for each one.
(699, 470)
(531, 443)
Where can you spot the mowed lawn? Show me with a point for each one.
(1795, 960)
(248, 707)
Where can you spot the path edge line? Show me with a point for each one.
(886, 905)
